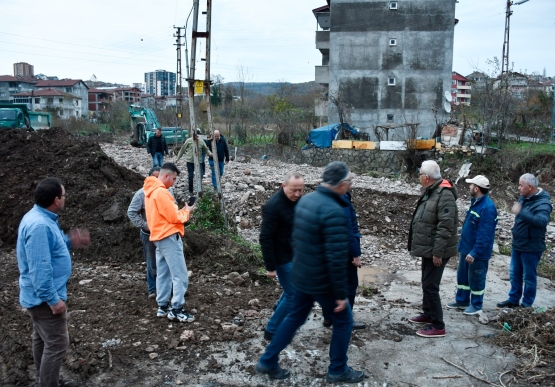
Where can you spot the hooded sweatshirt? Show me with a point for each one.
(163, 216)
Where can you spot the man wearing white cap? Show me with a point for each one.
(475, 247)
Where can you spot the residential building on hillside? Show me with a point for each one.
(460, 89)
(140, 86)
(23, 69)
(10, 85)
(160, 83)
(518, 84)
(66, 104)
(76, 87)
(127, 94)
(147, 101)
(389, 62)
(99, 101)
(478, 79)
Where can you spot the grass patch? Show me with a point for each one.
(533, 148)
(505, 249)
(546, 268)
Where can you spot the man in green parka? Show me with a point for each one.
(433, 237)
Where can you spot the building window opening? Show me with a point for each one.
(393, 5)
(391, 81)
(390, 117)
(392, 42)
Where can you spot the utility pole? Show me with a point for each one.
(508, 13)
(179, 89)
(191, 81)
(207, 83)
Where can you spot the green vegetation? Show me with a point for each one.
(505, 249)
(546, 268)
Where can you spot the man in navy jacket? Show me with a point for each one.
(532, 215)
(475, 247)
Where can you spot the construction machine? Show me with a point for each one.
(18, 115)
(144, 124)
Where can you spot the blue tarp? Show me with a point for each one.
(322, 137)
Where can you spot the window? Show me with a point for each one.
(37, 100)
(61, 112)
(393, 5)
(453, 82)
(60, 100)
(392, 42)
(390, 117)
(391, 81)
(50, 100)
(69, 89)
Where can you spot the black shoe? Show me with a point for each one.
(359, 325)
(328, 323)
(268, 335)
(507, 304)
(349, 376)
(273, 373)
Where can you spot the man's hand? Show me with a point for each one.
(341, 304)
(356, 262)
(271, 274)
(516, 208)
(189, 208)
(437, 261)
(59, 307)
(79, 238)
(469, 258)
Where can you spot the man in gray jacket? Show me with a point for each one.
(136, 214)
(433, 237)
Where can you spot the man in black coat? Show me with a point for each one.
(223, 155)
(275, 241)
(319, 273)
(157, 148)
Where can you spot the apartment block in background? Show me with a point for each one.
(23, 69)
(160, 83)
(461, 89)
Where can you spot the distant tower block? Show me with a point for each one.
(23, 69)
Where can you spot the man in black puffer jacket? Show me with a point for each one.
(319, 273)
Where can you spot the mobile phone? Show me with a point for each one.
(191, 201)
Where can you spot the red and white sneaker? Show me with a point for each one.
(430, 331)
(420, 319)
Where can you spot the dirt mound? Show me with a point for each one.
(98, 189)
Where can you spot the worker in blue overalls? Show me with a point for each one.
(475, 248)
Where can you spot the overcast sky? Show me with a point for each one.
(120, 40)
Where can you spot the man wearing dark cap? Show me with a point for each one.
(475, 247)
(319, 274)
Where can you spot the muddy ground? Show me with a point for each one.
(116, 340)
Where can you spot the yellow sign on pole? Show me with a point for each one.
(199, 87)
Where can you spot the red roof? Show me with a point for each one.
(9, 78)
(127, 89)
(99, 91)
(45, 93)
(59, 83)
(458, 77)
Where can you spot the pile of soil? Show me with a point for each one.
(530, 335)
(112, 323)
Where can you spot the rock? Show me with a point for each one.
(137, 344)
(246, 171)
(496, 248)
(483, 319)
(84, 282)
(254, 302)
(187, 335)
(245, 275)
(112, 214)
(259, 188)
(189, 273)
(228, 327)
(204, 338)
(229, 186)
(153, 355)
(149, 349)
(245, 223)
(236, 278)
(245, 197)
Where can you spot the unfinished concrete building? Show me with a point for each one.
(388, 62)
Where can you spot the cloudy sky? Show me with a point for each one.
(120, 40)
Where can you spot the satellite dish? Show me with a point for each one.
(447, 107)
(448, 96)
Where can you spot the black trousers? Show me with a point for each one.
(352, 275)
(191, 172)
(431, 302)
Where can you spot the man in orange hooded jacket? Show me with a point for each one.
(165, 222)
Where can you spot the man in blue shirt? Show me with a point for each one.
(45, 267)
(475, 247)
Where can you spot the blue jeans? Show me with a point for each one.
(471, 282)
(157, 160)
(149, 251)
(221, 165)
(301, 307)
(285, 302)
(171, 270)
(523, 269)
(352, 276)
(203, 164)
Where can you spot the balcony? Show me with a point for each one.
(322, 40)
(322, 75)
(463, 96)
(464, 87)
